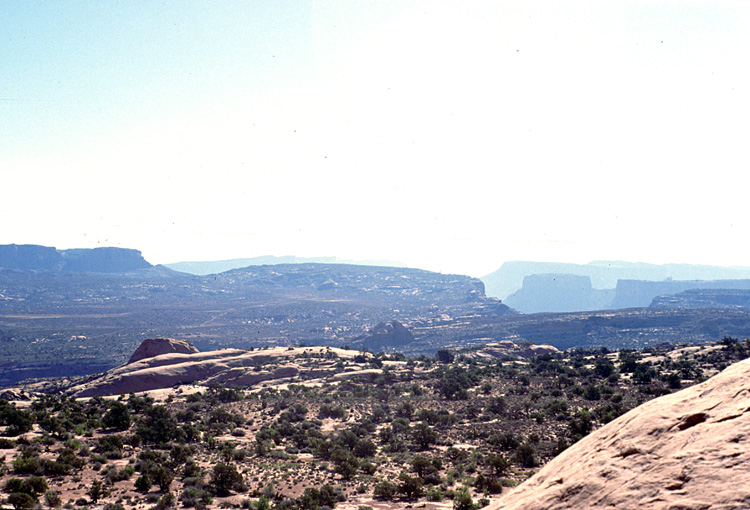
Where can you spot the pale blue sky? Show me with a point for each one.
(448, 135)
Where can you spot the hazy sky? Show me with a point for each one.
(451, 136)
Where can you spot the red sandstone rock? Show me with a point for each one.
(157, 346)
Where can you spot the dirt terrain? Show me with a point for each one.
(385, 431)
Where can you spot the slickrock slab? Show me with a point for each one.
(686, 451)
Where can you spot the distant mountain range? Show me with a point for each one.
(59, 316)
(219, 266)
(74, 312)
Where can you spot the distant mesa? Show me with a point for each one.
(605, 274)
(31, 257)
(559, 293)
(687, 450)
(726, 299)
(562, 292)
(157, 346)
(104, 260)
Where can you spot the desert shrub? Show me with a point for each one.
(96, 490)
(462, 499)
(159, 426)
(385, 490)
(498, 464)
(506, 440)
(117, 417)
(410, 486)
(6, 444)
(143, 483)
(435, 495)
(110, 443)
(28, 466)
(166, 501)
(162, 477)
(313, 498)
(329, 411)
(21, 500)
(193, 496)
(444, 356)
(581, 424)
(344, 463)
(225, 478)
(592, 392)
(364, 448)
(423, 435)
(488, 484)
(52, 499)
(17, 421)
(525, 455)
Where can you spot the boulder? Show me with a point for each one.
(157, 346)
(387, 334)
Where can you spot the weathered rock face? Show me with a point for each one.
(688, 450)
(509, 348)
(387, 334)
(157, 346)
(226, 366)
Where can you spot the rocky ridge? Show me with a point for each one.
(231, 367)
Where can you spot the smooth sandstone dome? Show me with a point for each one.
(686, 451)
(157, 346)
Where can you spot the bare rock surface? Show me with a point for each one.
(689, 450)
(224, 366)
(158, 346)
(510, 348)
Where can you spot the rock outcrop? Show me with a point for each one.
(689, 450)
(509, 348)
(158, 346)
(232, 367)
(387, 334)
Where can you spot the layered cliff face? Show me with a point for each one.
(104, 260)
(727, 299)
(687, 450)
(29, 257)
(558, 293)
